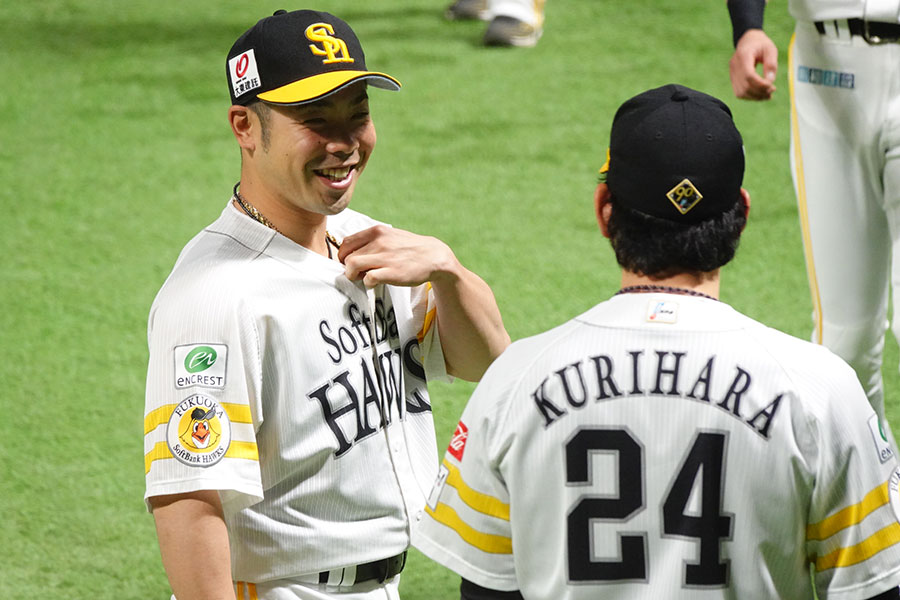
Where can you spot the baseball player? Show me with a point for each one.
(663, 445)
(288, 432)
(510, 22)
(844, 62)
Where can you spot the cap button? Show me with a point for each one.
(679, 96)
(280, 11)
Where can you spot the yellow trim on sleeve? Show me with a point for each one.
(157, 417)
(851, 515)
(237, 413)
(492, 544)
(869, 547)
(159, 452)
(482, 503)
(430, 314)
(245, 450)
(801, 198)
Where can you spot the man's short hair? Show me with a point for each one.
(264, 114)
(659, 248)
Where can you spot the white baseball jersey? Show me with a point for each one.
(845, 159)
(666, 446)
(823, 10)
(296, 393)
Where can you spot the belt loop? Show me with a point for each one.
(820, 27)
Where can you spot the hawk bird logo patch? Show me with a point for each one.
(684, 196)
(199, 431)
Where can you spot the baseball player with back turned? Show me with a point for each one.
(844, 63)
(663, 445)
(288, 435)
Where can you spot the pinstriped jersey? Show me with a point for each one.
(886, 11)
(666, 446)
(298, 394)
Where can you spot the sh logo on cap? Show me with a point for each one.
(333, 49)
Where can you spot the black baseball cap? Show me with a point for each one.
(675, 153)
(297, 57)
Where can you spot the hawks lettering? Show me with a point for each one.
(597, 379)
(332, 48)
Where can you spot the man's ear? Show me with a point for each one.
(602, 207)
(745, 197)
(243, 125)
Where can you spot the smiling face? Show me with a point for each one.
(312, 155)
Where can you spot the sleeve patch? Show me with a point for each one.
(458, 441)
(199, 431)
(201, 365)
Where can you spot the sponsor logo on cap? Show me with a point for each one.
(882, 446)
(458, 442)
(684, 196)
(201, 365)
(334, 49)
(243, 73)
(199, 431)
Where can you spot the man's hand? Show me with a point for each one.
(383, 254)
(468, 320)
(752, 49)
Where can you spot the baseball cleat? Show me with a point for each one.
(467, 9)
(507, 31)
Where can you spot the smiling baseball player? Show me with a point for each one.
(662, 445)
(288, 433)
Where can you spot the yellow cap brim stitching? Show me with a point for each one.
(604, 169)
(317, 86)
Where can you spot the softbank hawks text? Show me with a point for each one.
(360, 400)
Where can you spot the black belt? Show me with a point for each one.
(377, 570)
(874, 32)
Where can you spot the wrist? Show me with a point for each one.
(745, 15)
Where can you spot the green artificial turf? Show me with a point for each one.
(114, 151)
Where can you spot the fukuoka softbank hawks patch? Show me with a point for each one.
(458, 441)
(684, 196)
(894, 492)
(201, 365)
(882, 446)
(243, 73)
(199, 431)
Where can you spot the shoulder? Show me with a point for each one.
(207, 276)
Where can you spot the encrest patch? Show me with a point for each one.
(199, 431)
(201, 365)
(684, 196)
(882, 446)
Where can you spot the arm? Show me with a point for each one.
(193, 542)
(469, 322)
(473, 591)
(751, 48)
